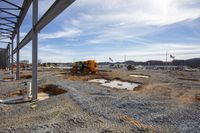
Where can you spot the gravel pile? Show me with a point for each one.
(89, 107)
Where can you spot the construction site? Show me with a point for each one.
(87, 96)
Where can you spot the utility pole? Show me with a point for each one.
(124, 58)
(166, 58)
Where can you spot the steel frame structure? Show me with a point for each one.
(10, 24)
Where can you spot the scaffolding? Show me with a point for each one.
(11, 18)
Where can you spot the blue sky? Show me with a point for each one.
(138, 29)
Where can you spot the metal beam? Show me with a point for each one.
(52, 12)
(7, 25)
(5, 33)
(8, 13)
(8, 57)
(25, 6)
(57, 7)
(6, 29)
(3, 42)
(8, 20)
(5, 36)
(26, 40)
(9, 8)
(11, 4)
(12, 56)
(17, 71)
(34, 51)
(9, 17)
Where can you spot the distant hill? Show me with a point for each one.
(150, 62)
(194, 62)
(155, 62)
(130, 62)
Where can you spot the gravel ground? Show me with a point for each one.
(164, 103)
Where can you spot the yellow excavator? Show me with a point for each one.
(84, 67)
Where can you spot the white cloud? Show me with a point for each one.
(48, 53)
(59, 53)
(67, 32)
(44, 5)
(113, 21)
(116, 20)
(150, 52)
(150, 12)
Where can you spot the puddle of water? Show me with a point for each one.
(115, 84)
(120, 85)
(101, 81)
(138, 76)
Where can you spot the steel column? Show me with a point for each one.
(9, 57)
(17, 70)
(12, 56)
(34, 50)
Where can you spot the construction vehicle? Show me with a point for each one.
(131, 67)
(85, 67)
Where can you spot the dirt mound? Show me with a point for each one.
(78, 78)
(81, 77)
(26, 76)
(154, 89)
(16, 93)
(189, 79)
(50, 89)
(181, 96)
(142, 127)
(189, 98)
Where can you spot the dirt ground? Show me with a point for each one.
(167, 101)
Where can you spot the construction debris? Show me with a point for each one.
(81, 103)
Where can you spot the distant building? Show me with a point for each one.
(3, 56)
(24, 61)
(164, 67)
(118, 65)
